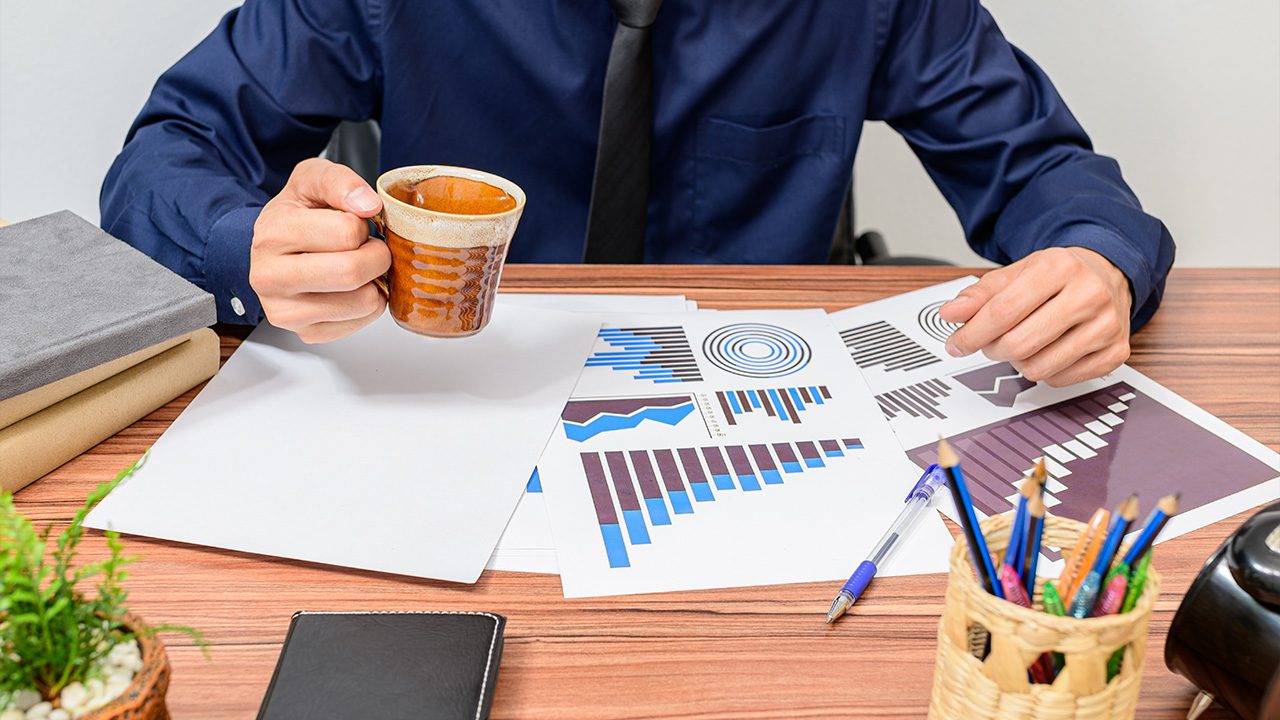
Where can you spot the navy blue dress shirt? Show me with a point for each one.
(758, 108)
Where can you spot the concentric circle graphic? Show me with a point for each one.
(756, 350)
(933, 324)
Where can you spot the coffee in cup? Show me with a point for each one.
(448, 230)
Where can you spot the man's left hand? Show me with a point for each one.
(1060, 315)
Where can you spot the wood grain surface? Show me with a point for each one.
(760, 652)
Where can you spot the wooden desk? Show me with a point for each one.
(757, 652)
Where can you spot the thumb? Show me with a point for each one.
(323, 184)
(971, 299)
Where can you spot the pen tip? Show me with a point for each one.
(946, 456)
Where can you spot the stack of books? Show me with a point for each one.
(93, 336)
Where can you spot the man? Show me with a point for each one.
(757, 108)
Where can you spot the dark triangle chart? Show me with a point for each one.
(1101, 440)
(1100, 448)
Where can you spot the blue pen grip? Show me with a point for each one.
(860, 579)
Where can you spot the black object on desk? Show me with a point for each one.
(419, 665)
(1225, 637)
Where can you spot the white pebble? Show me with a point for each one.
(59, 714)
(13, 714)
(73, 695)
(40, 711)
(25, 698)
(94, 687)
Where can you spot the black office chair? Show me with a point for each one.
(356, 146)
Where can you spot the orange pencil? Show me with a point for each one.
(1083, 554)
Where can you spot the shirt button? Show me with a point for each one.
(237, 306)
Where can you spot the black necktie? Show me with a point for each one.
(620, 191)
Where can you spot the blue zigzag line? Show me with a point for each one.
(607, 422)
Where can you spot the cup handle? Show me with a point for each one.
(380, 223)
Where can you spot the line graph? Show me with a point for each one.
(998, 384)
(584, 419)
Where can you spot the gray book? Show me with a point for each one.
(72, 297)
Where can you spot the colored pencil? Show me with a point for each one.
(1112, 598)
(1052, 602)
(1017, 531)
(1012, 586)
(1137, 580)
(982, 564)
(1087, 595)
(1035, 531)
(1166, 508)
(1086, 547)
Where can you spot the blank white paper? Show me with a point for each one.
(383, 451)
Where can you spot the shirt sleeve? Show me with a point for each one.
(225, 126)
(1005, 151)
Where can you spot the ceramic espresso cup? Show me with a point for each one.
(448, 229)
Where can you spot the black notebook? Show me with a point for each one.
(400, 665)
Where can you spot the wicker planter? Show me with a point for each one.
(997, 687)
(144, 698)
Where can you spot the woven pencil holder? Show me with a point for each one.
(965, 686)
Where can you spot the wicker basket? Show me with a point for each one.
(144, 698)
(965, 686)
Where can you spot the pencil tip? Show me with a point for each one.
(1169, 504)
(1040, 473)
(946, 456)
(1129, 510)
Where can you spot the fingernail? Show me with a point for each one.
(362, 199)
(954, 350)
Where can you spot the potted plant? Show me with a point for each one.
(68, 646)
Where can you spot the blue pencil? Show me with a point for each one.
(1087, 595)
(978, 553)
(1160, 514)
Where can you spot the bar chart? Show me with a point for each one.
(1099, 448)
(637, 492)
(656, 354)
(881, 344)
(922, 400)
(784, 404)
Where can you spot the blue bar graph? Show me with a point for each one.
(782, 404)
(665, 476)
(656, 354)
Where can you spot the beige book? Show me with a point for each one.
(32, 447)
(32, 401)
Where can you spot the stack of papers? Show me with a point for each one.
(640, 444)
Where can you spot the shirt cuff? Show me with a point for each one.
(1120, 252)
(226, 267)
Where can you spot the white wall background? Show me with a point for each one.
(1185, 93)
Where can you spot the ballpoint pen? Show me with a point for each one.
(917, 500)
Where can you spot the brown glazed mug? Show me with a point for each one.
(448, 229)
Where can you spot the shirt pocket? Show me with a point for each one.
(750, 182)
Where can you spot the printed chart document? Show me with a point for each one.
(724, 449)
(384, 451)
(1101, 440)
(526, 545)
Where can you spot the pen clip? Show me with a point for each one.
(923, 484)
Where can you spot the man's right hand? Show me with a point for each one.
(312, 261)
